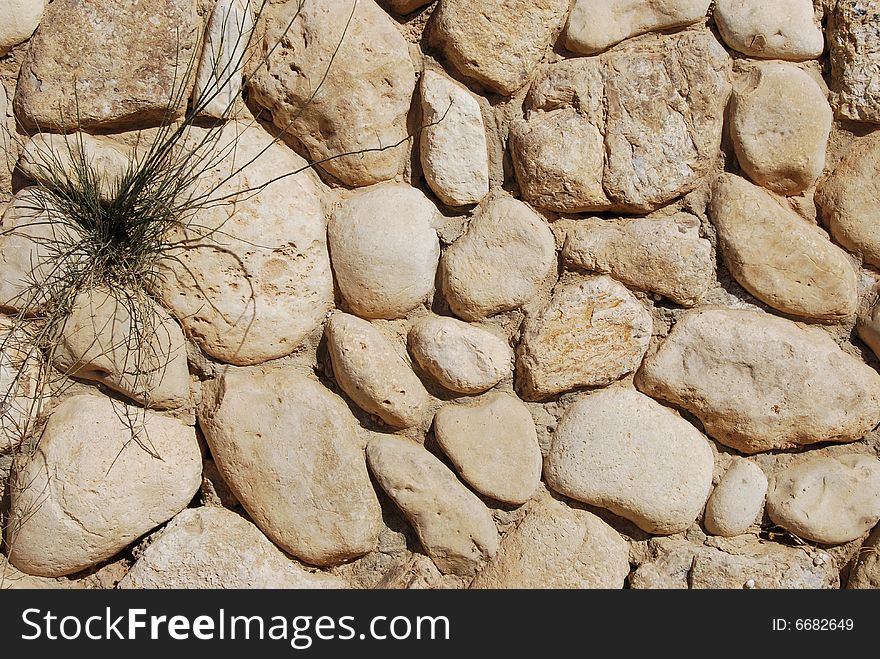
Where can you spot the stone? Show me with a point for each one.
(453, 149)
(868, 328)
(407, 6)
(117, 64)
(595, 25)
(780, 123)
(778, 256)
(499, 263)
(738, 499)
(854, 44)
(848, 199)
(663, 255)
(620, 450)
(498, 45)
(454, 527)
(127, 343)
(292, 454)
(784, 29)
(20, 19)
(866, 570)
(830, 500)
(217, 548)
(384, 250)
(250, 277)
(590, 334)
(104, 474)
(373, 373)
(460, 357)
(22, 382)
(493, 445)
(555, 547)
(342, 84)
(762, 383)
(6, 154)
(12, 579)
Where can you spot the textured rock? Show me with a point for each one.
(454, 526)
(498, 264)
(589, 334)
(866, 570)
(737, 500)
(783, 29)
(831, 500)
(493, 445)
(20, 19)
(384, 251)
(254, 278)
(497, 44)
(779, 257)
(760, 383)
(454, 154)
(661, 255)
(20, 390)
(103, 475)
(216, 548)
(292, 454)
(407, 6)
(868, 327)
(364, 99)
(620, 450)
(124, 58)
(558, 547)
(461, 357)
(848, 199)
(371, 371)
(854, 43)
(595, 25)
(12, 579)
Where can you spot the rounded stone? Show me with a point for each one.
(737, 500)
(782, 29)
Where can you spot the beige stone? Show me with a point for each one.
(868, 328)
(866, 570)
(407, 6)
(13, 579)
(737, 500)
(783, 29)
(20, 19)
(21, 385)
(761, 383)
(854, 44)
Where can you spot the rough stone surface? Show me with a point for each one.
(661, 255)
(407, 6)
(779, 257)
(831, 500)
(384, 251)
(780, 123)
(498, 264)
(373, 373)
(364, 99)
(20, 19)
(760, 383)
(866, 571)
(460, 357)
(737, 500)
(854, 43)
(783, 29)
(620, 450)
(493, 445)
(217, 548)
(103, 475)
(589, 334)
(453, 525)
(20, 389)
(125, 58)
(595, 25)
(556, 546)
(868, 327)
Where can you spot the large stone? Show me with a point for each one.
(20, 19)
(217, 548)
(662, 255)
(498, 44)
(868, 328)
(498, 264)
(461, 357)
(779, 257)
(831, 500)
(455, 528)
(783, 29)
(100, 64)
(595, 25)
(737, 500)
(556, 546)
(589, 334)
(761, 383)
(373, 373)
(22, 380)
(251, 276)
(103, 474)
(292, 453)
(493, 445)
(620, 450)
(384, 250)
(341, 85)
(854, 42)
(866, 570)
(848, 199)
